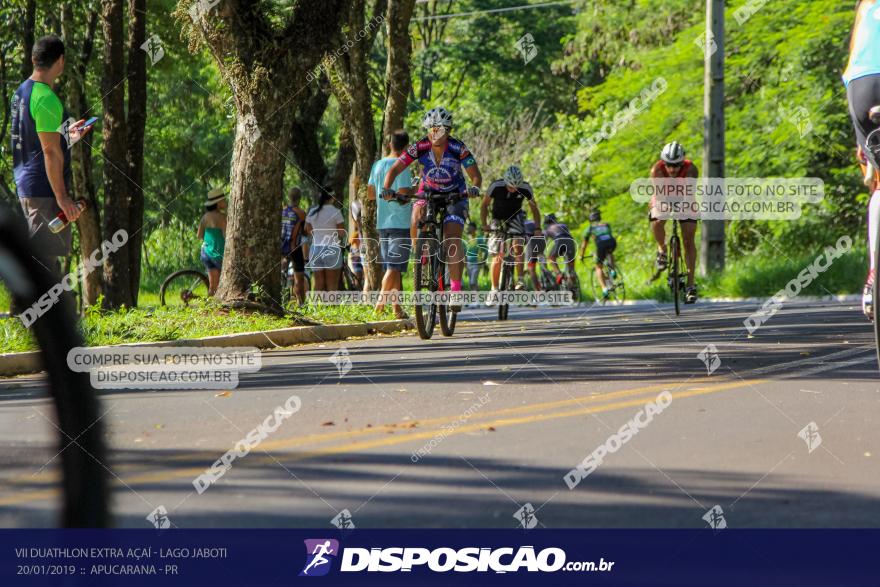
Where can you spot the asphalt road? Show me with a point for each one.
(464, 432)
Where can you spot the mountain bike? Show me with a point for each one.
(507, 267)
(873, 153)
(430, 275)
(83, 476)
(675, 278)
(616, 289)
(183, 288)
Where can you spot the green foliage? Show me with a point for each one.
(784, 58)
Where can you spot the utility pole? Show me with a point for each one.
(712, 246)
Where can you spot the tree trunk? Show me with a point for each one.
(265, 66)
(250, 262)
(117, 281)
(352, 90)
(304, 145)
(342, 165)
(89, 223)
(134, 148)
(28, 23)
(397, 69)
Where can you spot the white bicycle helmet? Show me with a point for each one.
(673, 153)
(438, 116)
(513, 177)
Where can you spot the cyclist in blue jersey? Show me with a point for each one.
(444, 161)
(862, 80)
(605, 246)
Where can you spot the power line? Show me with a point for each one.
(491, 10)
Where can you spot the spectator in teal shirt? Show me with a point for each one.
(393, 222)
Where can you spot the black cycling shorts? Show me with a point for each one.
(563, 247)
(604, 248)
(684, 221)
(296, 257)
(863, 94)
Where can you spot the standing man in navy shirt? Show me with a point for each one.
(41, 150)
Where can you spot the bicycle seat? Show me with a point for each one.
(874, 114)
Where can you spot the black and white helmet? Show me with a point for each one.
(513, 177)
(438, 116)
(673, 153)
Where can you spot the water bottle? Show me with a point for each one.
(60, 222)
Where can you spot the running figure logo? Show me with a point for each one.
(526, 516)
(320, 553)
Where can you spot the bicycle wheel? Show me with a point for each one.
(424, 283)
(77, 411)
(447, 316)
(504, 285)
(183, 288)
(596, 286)
(674, 275)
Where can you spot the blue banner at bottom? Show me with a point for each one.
(279, 557)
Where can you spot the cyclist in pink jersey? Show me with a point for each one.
(444, 161)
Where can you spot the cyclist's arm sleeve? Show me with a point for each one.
(467, 158)
(409, 155)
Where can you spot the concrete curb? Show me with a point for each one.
(30, 362)
(849, 298)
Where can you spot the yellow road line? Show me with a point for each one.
(320, 438)
(192, 472)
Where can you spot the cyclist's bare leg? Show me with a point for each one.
(496, 268)
(688, 234)
(213, 281)
(873, 222)
(552, 266)
(611, 262)
(533, 271)
(658, 229)
(418, 213)
(601, 276)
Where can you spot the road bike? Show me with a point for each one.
(430, 275)
(615, 287)
(674, 264)
(183, 288)
(82, 451)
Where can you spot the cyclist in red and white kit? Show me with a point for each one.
(673, 164)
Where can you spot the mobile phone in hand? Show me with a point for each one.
(89, 122)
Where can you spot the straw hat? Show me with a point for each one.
(215, 196)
